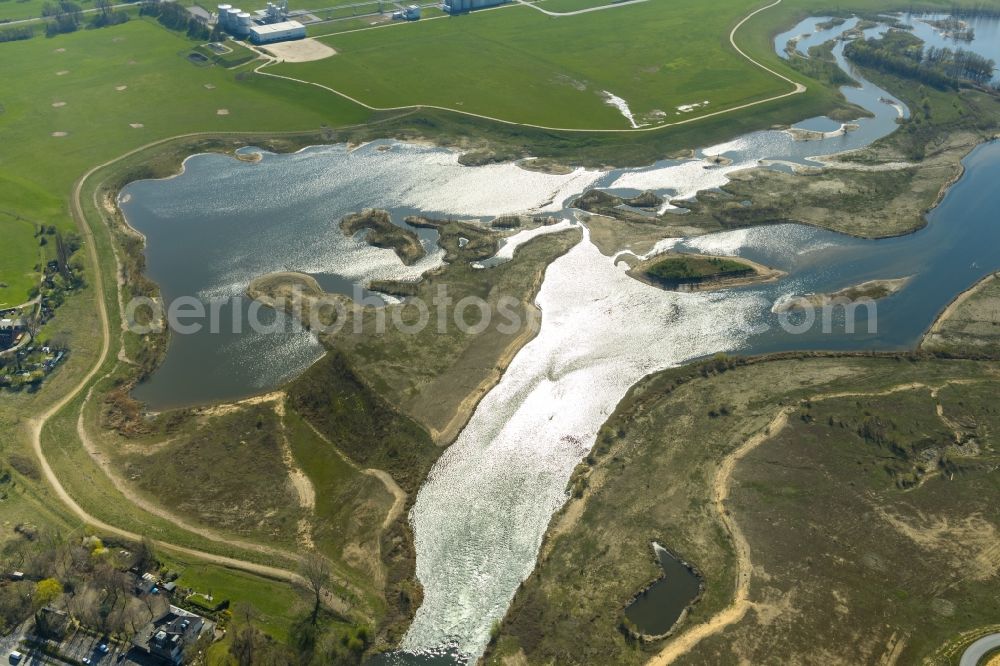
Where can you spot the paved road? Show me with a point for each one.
(12, 641)
(975, 652)
(613, 5)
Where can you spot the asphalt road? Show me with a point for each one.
(975, 652)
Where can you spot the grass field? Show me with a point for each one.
(520, 65)
(14, 10)
(93, 86)
(18, 248)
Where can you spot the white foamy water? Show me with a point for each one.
(685, 178)
(510, 244)
(480, 517)
(622, 106)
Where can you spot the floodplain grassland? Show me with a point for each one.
(652, 476)
(16, 10)
(74, 101)
(871, 521)
(436, 376)
(970, 326)
(521, 66)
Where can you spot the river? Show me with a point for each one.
(480, 516)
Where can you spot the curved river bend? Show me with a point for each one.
(481, 515)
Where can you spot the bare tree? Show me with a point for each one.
(315, 570)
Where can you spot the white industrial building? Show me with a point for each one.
(409, 13)
(271, 24)
(459, 6)
(277, 32)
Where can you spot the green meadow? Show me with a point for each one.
(16, 10)
(75, 101)
(520, 65)
(19, 246)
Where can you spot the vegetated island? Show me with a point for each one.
(700, 272)
(620, 208)
(294, 293)
(383, 233)
(460, 240)
(274, 287)
(871, 290)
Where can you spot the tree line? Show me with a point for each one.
(174, 16)
(904, 55)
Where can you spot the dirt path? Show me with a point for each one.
(301, 483)
(599, 8)
(797, 88)
(399, 495)
(741, 597)
(36, 425)
(134, 497)
(686, 640)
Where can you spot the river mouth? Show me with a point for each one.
(656, 610)
(481, 515)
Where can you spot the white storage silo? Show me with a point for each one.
(224, 14)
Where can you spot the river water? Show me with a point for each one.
(480, 517)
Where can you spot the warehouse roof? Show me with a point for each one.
(272, 28)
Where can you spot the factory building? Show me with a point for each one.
(458, 6)
(277, 32)
(270, 25)
(276, 12)
(408, 13)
